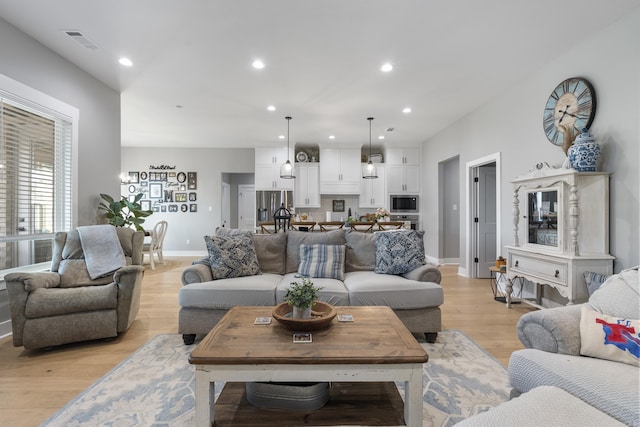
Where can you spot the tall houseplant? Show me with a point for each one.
(124, 213)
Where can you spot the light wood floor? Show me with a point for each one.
(35, 384)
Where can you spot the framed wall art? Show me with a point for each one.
(155, 190)
(134, 177)
(180, 197)
(192, 181)
(338, 205)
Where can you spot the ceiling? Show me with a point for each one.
(192, 83)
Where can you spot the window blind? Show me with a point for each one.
(35, 182)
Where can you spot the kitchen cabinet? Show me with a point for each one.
(267, 169)
(373, 192)
(403, 170)
(307, 187)
(403, 156)
(561, 230)
(340, 171)
(403, 179)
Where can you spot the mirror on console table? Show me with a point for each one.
(561, 231)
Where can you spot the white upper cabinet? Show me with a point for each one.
(402, 156)
(267, 169)
(403, 170)
(307, 186)
(340, 171)
(373, 192)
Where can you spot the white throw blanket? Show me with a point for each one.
(102, 251)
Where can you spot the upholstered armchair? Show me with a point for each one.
(66, 304)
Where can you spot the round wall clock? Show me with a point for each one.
(570, 108)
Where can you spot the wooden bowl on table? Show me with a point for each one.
(321, 316)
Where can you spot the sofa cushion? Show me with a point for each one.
(399, 251)
(322, 261)
(232, 256)
(619, 295)
(609, 337)
(361, 251)
(224, 294)
(332, 291)
(296, 238)
(53, 302)
(611, 387)
(272, 252)
(369, 288)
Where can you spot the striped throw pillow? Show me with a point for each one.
(322, 261)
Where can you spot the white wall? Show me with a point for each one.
(210, 164)
(512, 124)
(27, 61)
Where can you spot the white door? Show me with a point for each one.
(246, 207)
(225, 205)
(486, 220)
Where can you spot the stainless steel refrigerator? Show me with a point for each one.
(267, 202)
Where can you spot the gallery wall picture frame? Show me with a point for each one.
(163, 208)
(184, 207)
(143, 176)
(338, 205)
(193, 197)
(132, 189)
(145, 205)
(132, 198)
(134, 177)
(192, 180)
(182, 177)
(193, 207)
(173, 208)
(180, 197)
(155, 190)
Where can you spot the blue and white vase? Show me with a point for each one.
(584, 153)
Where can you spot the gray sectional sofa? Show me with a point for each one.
(415, 296)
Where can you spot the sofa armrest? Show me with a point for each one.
(196, 273)
(424, 273)
(554, 330)
(129, 281)
(19, 285)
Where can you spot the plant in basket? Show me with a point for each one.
(302, 296)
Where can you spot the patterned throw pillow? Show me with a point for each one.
(609, 337)
(319, 260)
(232, 256)
(399, 251)
(594, 280)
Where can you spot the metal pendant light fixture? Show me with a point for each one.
(369, 170)
(286, 170)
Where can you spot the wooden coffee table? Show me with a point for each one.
(375, 347)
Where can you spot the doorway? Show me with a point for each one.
(246, 207)
(483, 215)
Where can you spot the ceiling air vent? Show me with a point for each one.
(81, 38)
(390, 129)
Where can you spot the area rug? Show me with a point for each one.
(155, 386)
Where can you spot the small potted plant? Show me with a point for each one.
(302, 296)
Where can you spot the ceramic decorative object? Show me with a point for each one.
(584, 153)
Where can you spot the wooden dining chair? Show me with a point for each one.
(330, 225)
(362, 226)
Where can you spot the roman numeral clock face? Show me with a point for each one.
(570, 108)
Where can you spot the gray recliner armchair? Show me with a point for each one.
(66, 305)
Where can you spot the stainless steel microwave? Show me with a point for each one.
(403, 203)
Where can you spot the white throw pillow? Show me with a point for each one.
(609, 337)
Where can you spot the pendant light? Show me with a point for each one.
(369, 170)
(286, 170)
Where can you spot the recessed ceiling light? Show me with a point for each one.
(281, 137)
(271, 108)
(258, 64)
(406, 110)
(179, 106)
(332, 137)
(386, 67)
(381, 137)
(125, 61)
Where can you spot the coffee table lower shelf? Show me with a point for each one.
(357, 403)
